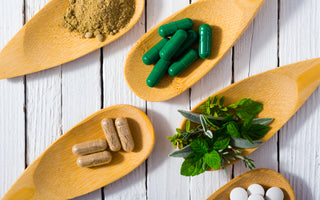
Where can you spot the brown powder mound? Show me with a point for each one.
(97, 18)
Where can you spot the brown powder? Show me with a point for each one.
(92, 18)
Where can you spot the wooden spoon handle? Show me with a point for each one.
(306, 74)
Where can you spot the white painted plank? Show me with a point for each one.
(116, 91)
(81, 96)
(12, 135)
(164, 179)
(43, 94)
(299, 139)
(256, 52)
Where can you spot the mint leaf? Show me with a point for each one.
(222, 142)
(228, 118)
(247, 108)
(232, 129)
(199, 145)
(257, 131)
(193, 165)
(212, 159)
(184, 152)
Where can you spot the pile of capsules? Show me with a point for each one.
(93, 153)
(175, 54)
(256, 192)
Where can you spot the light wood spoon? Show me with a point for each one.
(265, 177)
(44, 43)
(228, 19)
(282, 91)
(56, 175)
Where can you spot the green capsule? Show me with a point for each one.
(173, 45)
(169, 29)
(152, 55)
(158, 71)
(176, 68)
(205, 33)
(191, 39)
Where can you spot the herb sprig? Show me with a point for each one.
(218, 135)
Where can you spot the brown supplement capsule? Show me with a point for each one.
(89, 147)
(124, 134)
(111, 134)
(95, 159)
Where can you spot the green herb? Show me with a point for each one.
(219, 135)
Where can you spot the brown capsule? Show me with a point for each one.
(124, 134)
(96, 159)
(89, 147)
(111, 134)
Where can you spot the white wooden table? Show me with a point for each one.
(36, 109)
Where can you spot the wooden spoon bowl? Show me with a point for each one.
(56, 175)
(265, 177)
(282, 91)
(44, 43)
(228, 18)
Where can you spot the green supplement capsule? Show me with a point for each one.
(205, 33)
(169, 29)
(176, 68)
(191, 39)
(173, 45)
(152, 56)
(158, 71)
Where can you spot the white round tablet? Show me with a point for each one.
(255, 189)
(255, 197)
(238, 193)
(274, 193)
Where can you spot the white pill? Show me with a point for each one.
(238, 193)
(274, 193)
(255, 197)
(255, 189)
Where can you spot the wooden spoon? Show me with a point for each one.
(44, 43)
(282, 91)
(265, 177)
(228, 19)
(55, 174)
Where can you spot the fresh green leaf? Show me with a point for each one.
(188, 126)
(195, 117)
(257, 131)
(213, 159)
(244, 144)
(228, 118)
(211, 122)
(199, 145)
(193, 165)
(247, 108)
(232, 129)
(215, 99)
(221, 101)
(248, 138)
(222, 142)
(262, 121)
(204, 124)
(184, 152)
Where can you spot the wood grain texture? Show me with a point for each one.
(299, 139)
(116, 91)
(43, 101)
(164, 179)
(44, 43)
(256, 52)
(12, 133)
